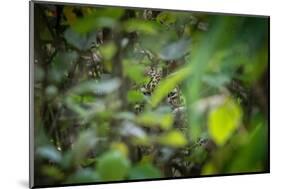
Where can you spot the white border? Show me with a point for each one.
(14, 92)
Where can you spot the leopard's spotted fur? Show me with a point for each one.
(174, 97)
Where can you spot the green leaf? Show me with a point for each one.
(114, 13)
(175, 50)
(224, 120)
(173, 139)
(49, 153)
(252, 155)
(83, 176)
(86, 141)
(80, 41)
(167, 85)
(143, 26)
(134, 71)
(52, 171)
(217, 80)
(101, 18)
(113, 165)
(61, 65)
(153, 119)
(144, 171)
(101, 88)
(108, 50)
(134, 96)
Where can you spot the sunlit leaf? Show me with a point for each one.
(121, 147)
(168, 84)
(173, 139)
(224, 120)
(144, 26)
(108, 50)
(209, 169)
(134, 96)
(134, 71)
(148, 119)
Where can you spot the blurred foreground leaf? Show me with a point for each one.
(144, 171)
(168, 84)
(175, 50)
(224, 120)
(80, 41)
(148, 119)
(53, 172)
(173, 139)
(83, 176)
(113, 165)
(49, 153)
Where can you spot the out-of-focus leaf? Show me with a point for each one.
(53, 172)
(85, 142)
(114, 13)
(252, 155)
(143, 26)
(134, 96)
(39, 73)
(175, 50)
(100, 88)
(49, 153)
(129, 129)
(80, 41)
(164, 37)
(51, 91)
(125, 115)
(173, 139)
(45, 34)
(216, 80)
(224, 120)
(92, 23)
(83, 176)
(88, 162)
(61, 65)
(167, 85)
(148, 119)
(209, 169)
(134, 71)
(121, 147)
(107, 17)
(198, 155)
(108, 50)
(256, 66)
(113, 165)
(144, 171)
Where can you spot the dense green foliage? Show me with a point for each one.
(123, 94)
